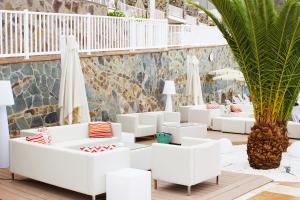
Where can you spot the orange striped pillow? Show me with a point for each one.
(100, 130)
(39, 138)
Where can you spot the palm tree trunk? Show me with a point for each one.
(266, 144)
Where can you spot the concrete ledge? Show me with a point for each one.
(14, 60)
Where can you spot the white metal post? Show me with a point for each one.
(26, 35)
(89, 34)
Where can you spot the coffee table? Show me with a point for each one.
(179, 131)
(140, 155)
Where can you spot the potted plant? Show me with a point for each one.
(266, 44)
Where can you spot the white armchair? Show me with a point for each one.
(195, 161)
(184, 111)
(203, 116)
(166, 118)
(140, 124)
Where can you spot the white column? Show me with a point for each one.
(4, 137)
(151, 9)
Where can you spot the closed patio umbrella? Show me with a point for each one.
(193, 84)
(73, 103)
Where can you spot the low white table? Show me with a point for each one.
(179, 131)
(129, 184)
(140, 155)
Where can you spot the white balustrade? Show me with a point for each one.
(190, 20)
(159, 14)
(131, 11)
(197, 35)
(175, 11)
(25, 33)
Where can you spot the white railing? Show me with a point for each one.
(131, 11)
(203, 35)
(175, 11)
(25, 33)
(190, 20)
(159, 14)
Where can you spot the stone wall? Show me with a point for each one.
(115, 84)
(59, 6)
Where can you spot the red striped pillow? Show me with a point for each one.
(95, 149)
(39, 138)
(100, 130)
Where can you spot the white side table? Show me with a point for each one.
(129, 184)
(195, 130)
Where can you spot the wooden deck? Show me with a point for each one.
(231, 185)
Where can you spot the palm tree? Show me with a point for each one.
(266, 44)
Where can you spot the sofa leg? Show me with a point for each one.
(217, 180)
(155, 184)
(93, 197)
(189, 190)
(13, 176)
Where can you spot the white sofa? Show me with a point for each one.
(166, 118)
(195, 161)
(62, 163)
(139, 124)
(184, 111)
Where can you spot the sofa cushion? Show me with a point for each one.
(100, 130)
(95, 149)
(76, 144)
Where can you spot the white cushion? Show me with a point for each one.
(225, 145)
(76, 144)
(294, 149)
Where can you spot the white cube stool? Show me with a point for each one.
(129, 184)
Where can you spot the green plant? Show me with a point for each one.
(266, 45)
(116, 13)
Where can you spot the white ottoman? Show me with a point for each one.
(234, 125)
(195, 130)
(129, 184)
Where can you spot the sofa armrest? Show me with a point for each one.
(117, 130)
(172, 163)
(172, 117)
(147, 119)
(129, 122)
(207, 161)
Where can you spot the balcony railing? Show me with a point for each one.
(159, 14)
(175, 11)
(131, 11)
(190, 20)
(186, 35)
(25, 33)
